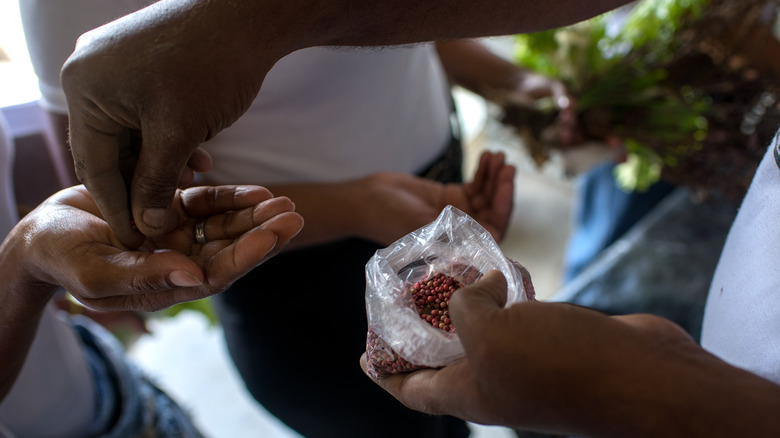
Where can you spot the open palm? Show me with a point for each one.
(244, 226)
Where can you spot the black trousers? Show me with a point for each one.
(296, 327)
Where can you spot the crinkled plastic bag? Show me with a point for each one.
(455, 245)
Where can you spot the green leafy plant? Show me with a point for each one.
(203, 306)
(662, 76)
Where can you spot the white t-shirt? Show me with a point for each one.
(742, 316)
(52, 27)
(323, 114)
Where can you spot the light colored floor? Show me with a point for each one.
(189, 359)
(541, 218)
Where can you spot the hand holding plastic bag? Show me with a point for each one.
(455, 247)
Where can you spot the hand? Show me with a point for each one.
(164, 78)
(69, 244)
(554, 367)
(530, 87)
(401, 203)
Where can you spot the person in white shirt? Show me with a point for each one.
(363, 141)
(544, 366)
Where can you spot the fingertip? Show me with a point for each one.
(489, 292)
(285, 225)
(125, 231)
(507, 173)
(186, 178)
(364, 363)
(129, 237)
(183, 278)
(156, 221)
(200, 161)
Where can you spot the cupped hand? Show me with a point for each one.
(401, 203)
(72, 246)
(489, 196)
(544, 366)
(144, 92)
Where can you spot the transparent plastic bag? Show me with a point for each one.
(454, 245)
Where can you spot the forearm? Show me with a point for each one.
(379, 23)
(650, 389)
(698, 395)
(23, 304)
(473, 66)
(330, 211)
(283, 24)
(380, 207)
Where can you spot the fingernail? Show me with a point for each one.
(155, 217)
(183, 279)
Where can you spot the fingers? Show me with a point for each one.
(161, 163)
(233, 224)
(136, 280)
(285, 226)
(200, 161)
(96, 159)
(489, 172)
(207, 201)
(495, 162)
(435, 392)
(251, 249)
(502, 202)
(474, 305)
(491, 194)
(480, 175)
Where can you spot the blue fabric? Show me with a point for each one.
(603, 213)
(129, 404)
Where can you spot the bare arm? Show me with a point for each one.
(473, 66)
(65, 242)
(382, 23)
(565, 369)
(23, 304)
(384, 207)
(177, 72)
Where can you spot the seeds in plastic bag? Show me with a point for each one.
(432, 297)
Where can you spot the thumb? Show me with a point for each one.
(155, 180)
(473, 306)
(96, 148)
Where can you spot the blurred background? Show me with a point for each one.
(675, 112)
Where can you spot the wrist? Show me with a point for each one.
(275, 28)
(364, 194)
(25, 286)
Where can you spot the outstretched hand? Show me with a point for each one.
(401, 203)
(72, 246)
(549, 366)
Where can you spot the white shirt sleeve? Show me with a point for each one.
(742, 316)
(51, 28)
(55, 384)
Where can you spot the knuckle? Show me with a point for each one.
(157, 189)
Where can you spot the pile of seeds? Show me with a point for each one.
(431, 297)
(383, 361)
